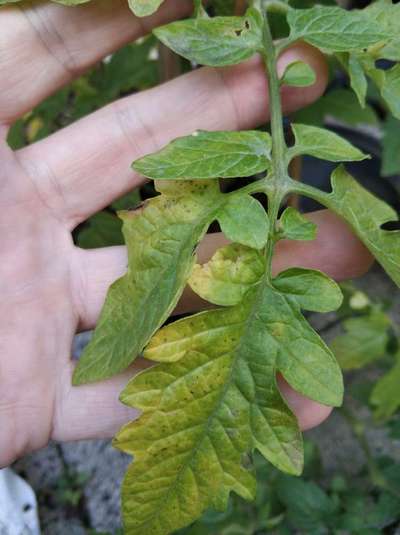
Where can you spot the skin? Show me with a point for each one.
(51, 289)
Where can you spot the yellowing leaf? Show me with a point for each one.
(161, 237)
(229, 275)
(213, 399)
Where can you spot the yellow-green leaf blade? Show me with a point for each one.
(366, 214)
(229, 275)
(160, 237)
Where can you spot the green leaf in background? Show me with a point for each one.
(161, 237)
(364, 341)
(215, 41)
(298, 74)
(244, 220)
(144, 8)
(366, 214)
(216, 400)
(385, 396)
(334, 29)
(323, 144)
(342, 105)
(229, 275)
(295, 226)
(309, 508)
(391, 147)
(104, 229)
(205, 155)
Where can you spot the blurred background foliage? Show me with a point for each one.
(367, 343)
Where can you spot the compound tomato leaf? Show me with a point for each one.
(216, 41)
(311, 289)
(364, 341)
(295, 226)
(205, 155)
(144, 8)
(229, 275)
(216, 402)
(323, 144)
(161, 237)
(385, 396)
(244, 220)
(334, 29)
(366, 214)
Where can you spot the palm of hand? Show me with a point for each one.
(50, 288)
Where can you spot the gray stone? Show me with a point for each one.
(106, 467)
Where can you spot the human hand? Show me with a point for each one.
(51, 289)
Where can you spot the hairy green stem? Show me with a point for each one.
(276, 182)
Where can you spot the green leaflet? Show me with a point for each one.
(364, 341)
(213, 399)
(209, 155)
(161, 237)
(307, 286)
(298, 74)
(229, 275)
(144, 8)
(334, 29)
(366, 214)
(358, 80)
(294, 226)
(216, 41)
(244, 220)
(323, 144)
(386, 393)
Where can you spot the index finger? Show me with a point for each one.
(44, 46)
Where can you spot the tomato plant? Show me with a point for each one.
(212, 399)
